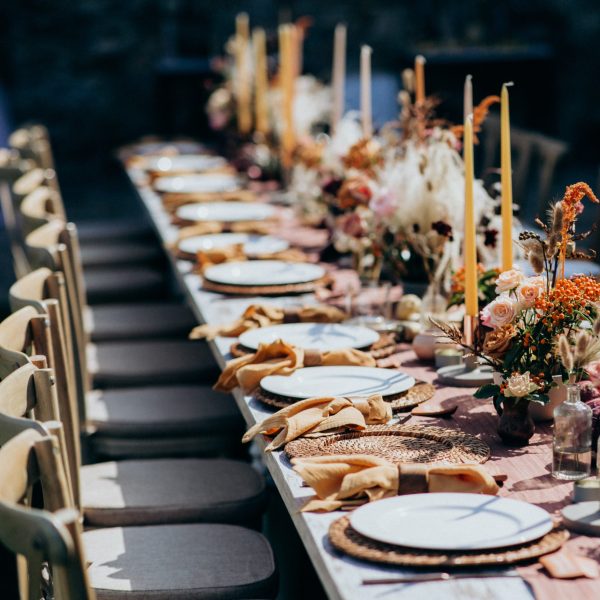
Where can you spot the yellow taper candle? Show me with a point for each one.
(470, 249)
(287, 68)
(261, 81)
(339, 75)
(420, 79)
(243, 87)
(506, 181)
(365, 91)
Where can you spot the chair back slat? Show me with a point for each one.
(45, 291)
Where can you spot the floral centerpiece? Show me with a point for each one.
(527, 328)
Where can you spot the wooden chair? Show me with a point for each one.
(45, 540)
(33, 142)
(12, 166)
(118, 364)
(134, 491)
(163, 561)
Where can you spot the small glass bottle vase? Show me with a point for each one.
(572, 447)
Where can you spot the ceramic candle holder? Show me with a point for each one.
(586, 490)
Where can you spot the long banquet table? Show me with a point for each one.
(342, 576)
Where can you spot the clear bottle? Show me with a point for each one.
(572, 447)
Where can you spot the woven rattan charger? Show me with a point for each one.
(397, 444)
(345, 539)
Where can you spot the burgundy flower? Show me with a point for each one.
(443, 229)
(332, 186)
(490, 238)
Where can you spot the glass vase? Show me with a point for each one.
(572, 443)
(368, 265)
(434, 304)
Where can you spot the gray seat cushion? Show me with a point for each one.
(136, 321)
(186, 420)
(124, 284)
(101, 230)
(150, 362)
(121, 253)
(147, 492)
(162, 411)
(167, 562)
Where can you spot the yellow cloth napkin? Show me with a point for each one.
(319, 415)
(263, 315)
(346, 481)
(280, 358)
(235, 252)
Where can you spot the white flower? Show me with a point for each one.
(499, 312)
(509, 280)
(519, 385)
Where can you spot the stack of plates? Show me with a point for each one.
(451, 522)
(182, 163)
(197, 184)
(266, 277)
(253, 245)
(225, 212)
(311, 336)
(338, 381)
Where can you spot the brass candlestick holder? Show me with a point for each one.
(470, 373)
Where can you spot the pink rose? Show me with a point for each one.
(499, 312)
(509, 280)
(383, 204)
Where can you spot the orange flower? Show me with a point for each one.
(574, 194)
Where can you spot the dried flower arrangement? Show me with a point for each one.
(545, 325)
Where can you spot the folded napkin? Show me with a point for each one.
(350, 480)
(316, 416)
(173, 200)
(279, 358)
(235, 252)
(263, 315)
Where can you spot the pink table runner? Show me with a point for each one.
(528, 470)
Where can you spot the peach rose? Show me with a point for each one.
(509, 280)
(499, 312)
(497, 342)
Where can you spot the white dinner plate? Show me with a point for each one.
(322, 336)
(183, 162)
(202, 184)
(225, 211)
(338, 381)
(254, 245)
(263, 272)
(451, 521)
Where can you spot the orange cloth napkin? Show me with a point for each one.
(346, 481)
(316, 416)
(263, 315)
(279, 358)
(235, 252)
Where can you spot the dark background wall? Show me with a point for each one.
(101, 72)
